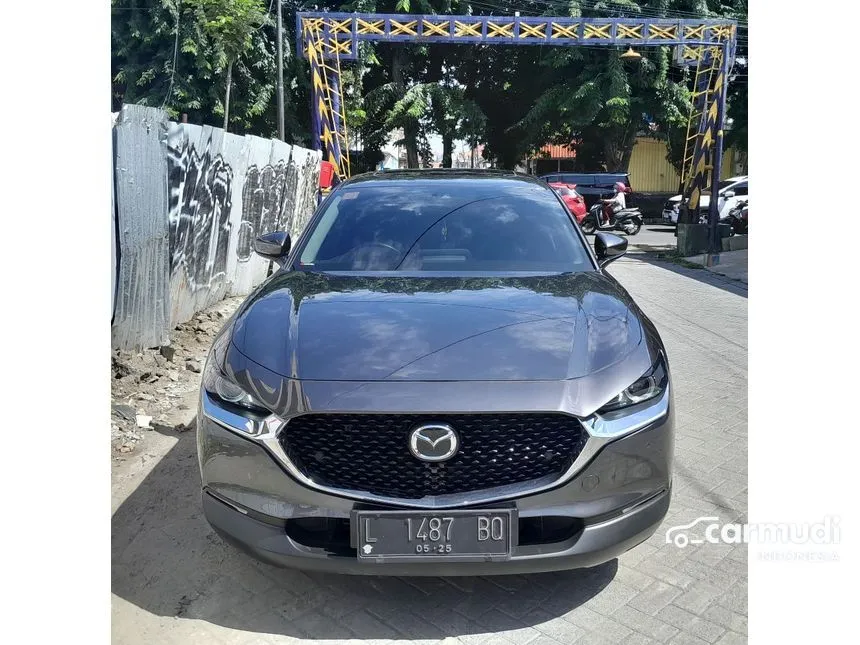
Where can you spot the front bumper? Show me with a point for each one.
(595, 544)
(670, 216)
(618, 498)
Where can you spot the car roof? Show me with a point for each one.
(441, 174)
(586, 174)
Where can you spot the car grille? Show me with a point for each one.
(370, 453)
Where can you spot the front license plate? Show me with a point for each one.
(446, 535)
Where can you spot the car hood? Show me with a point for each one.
(311, 326)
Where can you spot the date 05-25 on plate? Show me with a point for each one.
(458, 535)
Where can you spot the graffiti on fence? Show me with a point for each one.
(263, 197)
(199, 204)
(189, 202)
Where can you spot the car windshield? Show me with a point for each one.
(444, 225)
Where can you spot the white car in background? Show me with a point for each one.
(730, 192)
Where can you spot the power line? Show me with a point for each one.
(268, 12)
(175, 56)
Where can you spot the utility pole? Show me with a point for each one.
(280, 72)
(714, 241)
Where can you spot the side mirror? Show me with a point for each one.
(608, 247)
(728, 194)
(273, 246)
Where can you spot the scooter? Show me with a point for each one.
(737, 217)
(627, 220)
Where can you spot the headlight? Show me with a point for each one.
(648, 386)
(640, 404)
(225, 391)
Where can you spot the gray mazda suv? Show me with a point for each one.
(440, 379)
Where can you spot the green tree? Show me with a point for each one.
(164, 55)
(231, 25)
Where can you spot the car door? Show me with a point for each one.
(731, 196)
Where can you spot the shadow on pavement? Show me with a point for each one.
(167, 561)
(661, 228)
(701, 274)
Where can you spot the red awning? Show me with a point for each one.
(553, 151)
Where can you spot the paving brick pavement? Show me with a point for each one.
(174, 581)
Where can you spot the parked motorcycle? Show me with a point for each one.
(737, 217)
(627, 220)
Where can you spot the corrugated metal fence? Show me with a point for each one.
(189, 202)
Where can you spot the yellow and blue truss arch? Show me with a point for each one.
(341, 32)
(708, 44)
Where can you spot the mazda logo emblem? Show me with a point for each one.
(434, 442)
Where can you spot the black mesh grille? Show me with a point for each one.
(370, 452)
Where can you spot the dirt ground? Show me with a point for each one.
(156, 389)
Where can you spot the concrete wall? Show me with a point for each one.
(196, 207)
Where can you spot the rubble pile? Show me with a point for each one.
(153, 387)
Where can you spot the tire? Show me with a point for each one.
(737, 227)
(632, 228)
(588, 227)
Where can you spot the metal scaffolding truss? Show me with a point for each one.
(341, 32)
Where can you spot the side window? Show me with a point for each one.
(740, 189)
(608, 181)
(579, 180)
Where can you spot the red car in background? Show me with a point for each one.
(573, 199)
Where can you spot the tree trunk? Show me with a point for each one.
(627, 145)
(227, 95)
(618, 148)
(447, 150)
(625, 158)
(410, 129)
(410, 135)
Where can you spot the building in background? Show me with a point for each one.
(552, 158)
(650, 171)
(394, 155)
(465, 156)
